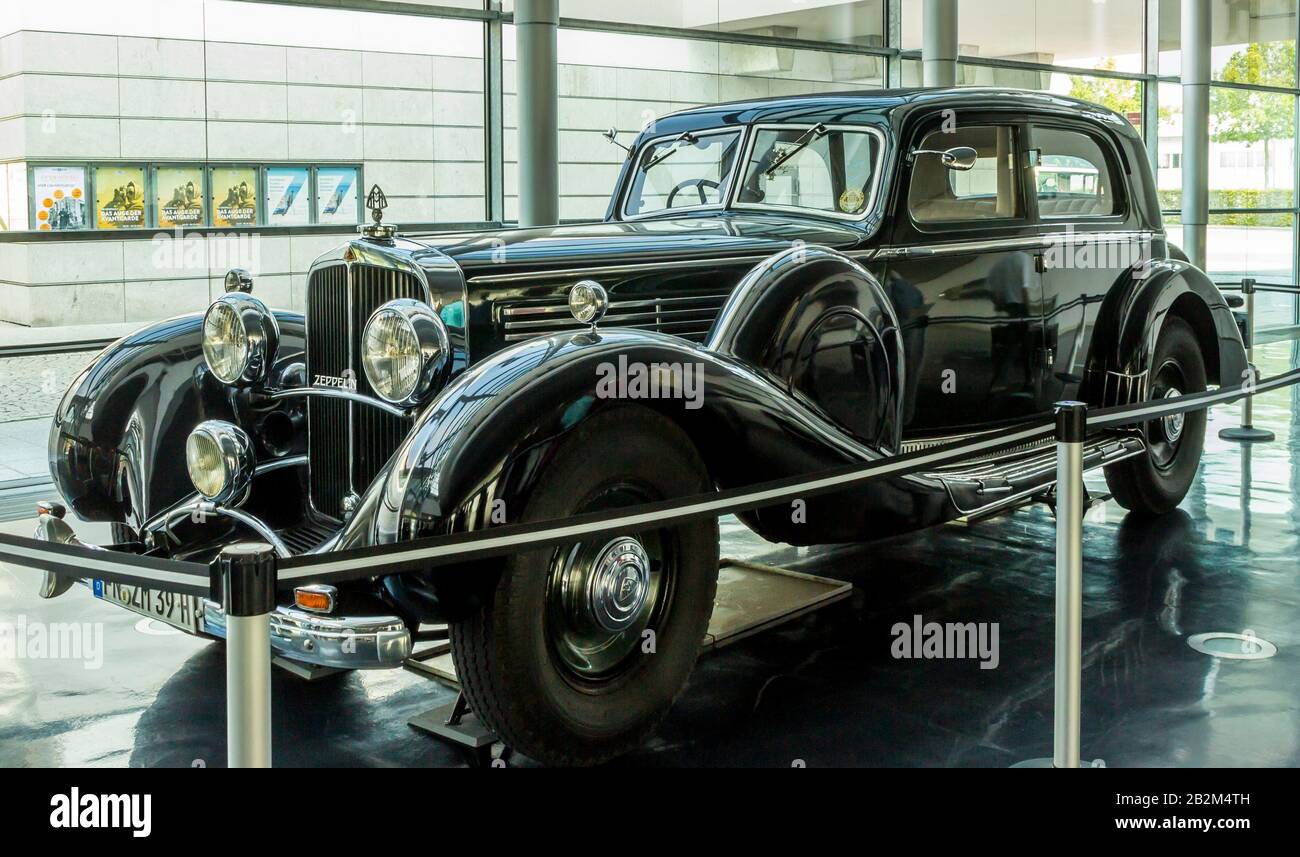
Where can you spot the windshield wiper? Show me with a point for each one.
(686, 137)
(799, 145)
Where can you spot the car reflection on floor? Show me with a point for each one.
(825, 689)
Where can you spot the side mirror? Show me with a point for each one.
(612, 136)
(959, 158)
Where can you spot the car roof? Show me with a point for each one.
(858, 105)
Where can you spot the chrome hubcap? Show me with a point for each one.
(1173, 425)
(601, 598)
(618, 584)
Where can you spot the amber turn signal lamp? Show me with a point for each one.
(317, 598)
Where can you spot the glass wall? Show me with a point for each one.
(626, 80)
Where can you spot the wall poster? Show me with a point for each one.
(288, 202)
(336, 195)
(178, 194)
(119, 197)
(59, 196)
(234, 196)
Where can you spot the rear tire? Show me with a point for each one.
(1156, 482)
(544, 662)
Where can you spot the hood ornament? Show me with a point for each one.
(377, 202)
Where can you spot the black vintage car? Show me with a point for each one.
(778, 287)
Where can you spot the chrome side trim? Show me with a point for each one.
(1030, 242)
(339, 393)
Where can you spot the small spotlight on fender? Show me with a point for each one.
(588, 302)
(316, 597)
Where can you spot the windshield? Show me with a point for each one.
(829, 170)
(688, 171)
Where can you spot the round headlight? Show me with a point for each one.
(588, 301)
(219, 457)
(404, 351)
(240, 336)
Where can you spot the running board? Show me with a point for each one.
(989, 485)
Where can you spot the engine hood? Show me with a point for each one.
(575, 246)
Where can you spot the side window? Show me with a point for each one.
(1072, 177)
(988, 191)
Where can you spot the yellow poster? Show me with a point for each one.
(234, 196)
(179, 192)
(119, 197)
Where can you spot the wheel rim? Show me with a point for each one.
(1165, 435)
(602, 596)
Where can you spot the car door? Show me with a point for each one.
(962, 273)
(1091, 239)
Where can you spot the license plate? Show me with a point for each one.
(179, 611)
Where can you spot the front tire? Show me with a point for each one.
(1155, 483)
(581, 650)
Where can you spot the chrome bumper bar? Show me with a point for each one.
(345, 642)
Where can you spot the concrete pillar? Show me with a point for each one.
(536, 71)
(1196, 127)
(939, 43)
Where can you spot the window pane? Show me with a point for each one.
(1050, 32)
(832, 172)
(1252, 41)
(1122, 95)
(987, 192)
(1252, 245)
(1252, 140)
(858, 22)
(1072, 176)
(677, 173)
(626, 81)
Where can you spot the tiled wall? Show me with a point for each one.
(414, 121)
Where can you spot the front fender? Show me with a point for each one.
(473, 456)
(1135, 311)
(117, 442)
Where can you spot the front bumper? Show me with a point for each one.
(344, 642)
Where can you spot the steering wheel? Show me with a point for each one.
(700, 185)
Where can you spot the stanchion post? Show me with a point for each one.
(245, 576)
(1247, 431)
(1071, 429)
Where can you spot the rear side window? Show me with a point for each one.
(1072, 176)
(988, 191)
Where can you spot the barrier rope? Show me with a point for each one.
(193, 578)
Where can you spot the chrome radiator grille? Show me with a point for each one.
(347, 443)
(688, 315)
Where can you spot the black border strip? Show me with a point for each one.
(188, 578)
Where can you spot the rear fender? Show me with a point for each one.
(1132, 316)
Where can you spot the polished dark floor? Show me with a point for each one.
(824, 689)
